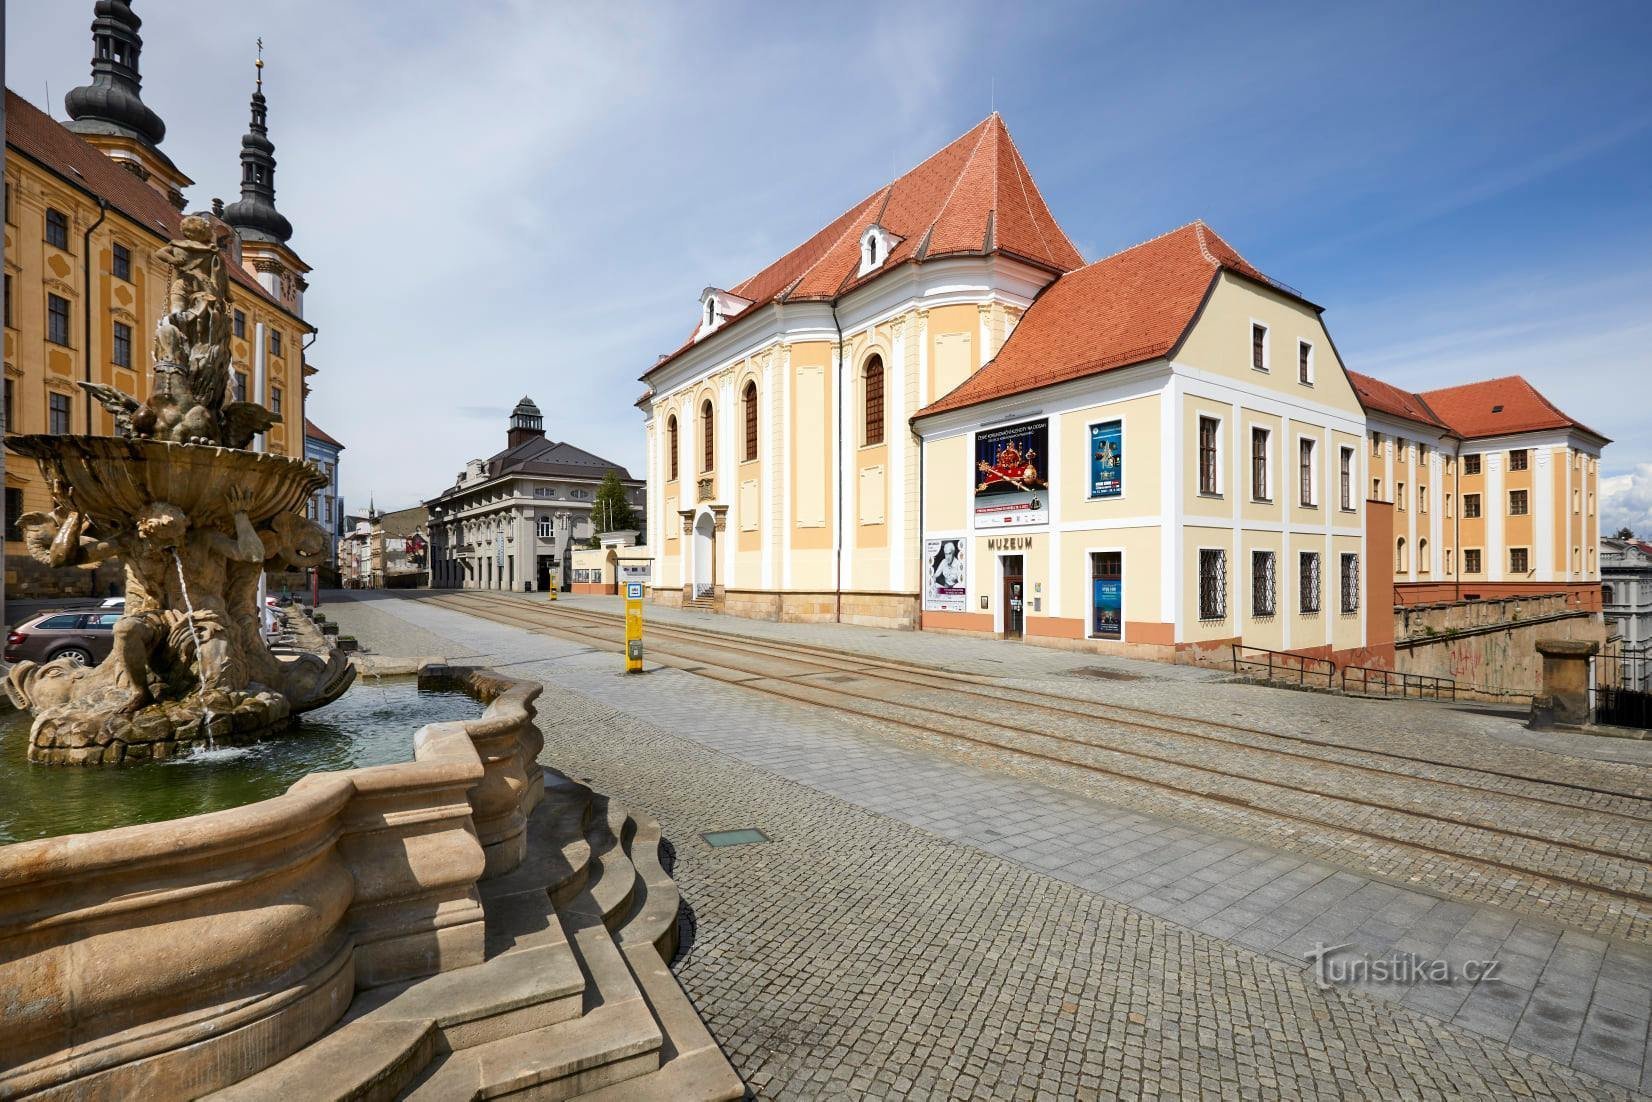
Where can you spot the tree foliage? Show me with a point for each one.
(612, 512)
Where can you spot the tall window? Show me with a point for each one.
(708, 448)
(545, 531)
(1422, 499)
(1518, 560)
(1448, 506)
(57, 228)
(1309, 575)
(1448, 564)
(748, 401)
(121, 262)
(121, 352)
(1305, 363)
(1401, 565)
(1518, 459)
(1213, 584)
(1471, 561)
(1263, 583)
(240, 386)
(1259, 347)
(241, 324)
(14, 509)
(275, 342)
(1305, 452)
(1471, 506)
(671, 446)
(8, 301)
(1345, 476)
(1350, 584)
(1517, 503)
(1399, 496)
(57, 319)
(10, 410)
(58, 408)
(1471, 464)
(1422, 556)
(873, 375)
(275, 399)
(1259, 465)
(1208, 428)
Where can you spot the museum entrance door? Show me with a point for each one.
(705, 553)
(1013, 599)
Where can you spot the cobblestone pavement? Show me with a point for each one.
(920, 916)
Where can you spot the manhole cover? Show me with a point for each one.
(1106, 674)
(748, 836)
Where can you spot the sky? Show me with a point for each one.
(511, 197)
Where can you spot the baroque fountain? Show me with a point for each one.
(194, 517)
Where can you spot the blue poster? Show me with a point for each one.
(1108, 601)
(1107, 459)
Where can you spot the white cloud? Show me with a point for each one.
(1626, 502)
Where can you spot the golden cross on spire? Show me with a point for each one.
(259, 64)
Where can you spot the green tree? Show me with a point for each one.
(611, 513)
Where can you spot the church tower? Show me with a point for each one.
(110, 113)
(262, 230)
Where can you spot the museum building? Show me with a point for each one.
(934, 414)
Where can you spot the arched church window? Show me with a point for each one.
(748, 399)
(671, 445)
(707, 445)
(873, 374)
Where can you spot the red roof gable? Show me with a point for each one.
(1129, 308)
(1496, 407)
(41, 138)
(313, 432)
(1381, 397)
(973, 198)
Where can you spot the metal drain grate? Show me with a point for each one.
(748, 836)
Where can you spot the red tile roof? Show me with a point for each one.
(313, 432)
(1497, 407)
(1380, 397)
(1129, 308)
(973, 198)
(41, 138)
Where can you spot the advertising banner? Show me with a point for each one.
(944, 575)
(1107, 459)
(1108, 603)
(1010, 483)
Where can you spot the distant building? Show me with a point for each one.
(510, 521)
(386, 550)
(1626, 599)
(327, 504)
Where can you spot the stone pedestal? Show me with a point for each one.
(1563, 698)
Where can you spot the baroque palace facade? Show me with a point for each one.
(934, 414)
(87, 205)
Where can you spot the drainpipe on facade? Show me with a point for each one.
(837, 534)
(86, 300)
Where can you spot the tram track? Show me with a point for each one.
(1617, 873)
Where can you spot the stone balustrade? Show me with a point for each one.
(171, 959)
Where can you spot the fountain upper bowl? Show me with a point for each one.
(113, 478)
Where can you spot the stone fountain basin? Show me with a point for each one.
(113, 478)
(172, 959)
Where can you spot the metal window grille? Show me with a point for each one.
(750, 402)
(1207, 455)
(1263, 584)
(1310, 581)
(1213, 584)
(1350, 584)
(874, 400)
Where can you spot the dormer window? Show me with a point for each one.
(710, 320)
(876, 243)
(716, 308)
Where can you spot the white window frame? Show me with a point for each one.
(1221, 436)
(1319, 583)
(1313, 471)
(1312, 371)
(1198, 583)
(1267, 346)
(1273, 597)
(1265, 497)
(1344, 559)
(1124, 594)
(1350, 503)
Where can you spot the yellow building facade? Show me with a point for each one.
(83, 292)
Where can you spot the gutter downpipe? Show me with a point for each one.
(86, 298)
(837, 447)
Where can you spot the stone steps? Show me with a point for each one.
(575, 998)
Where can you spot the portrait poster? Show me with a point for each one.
(1011, 484)
(1107, 459)
(1108, 605)
(944, 575)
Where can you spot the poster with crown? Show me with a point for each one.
(1011, 485)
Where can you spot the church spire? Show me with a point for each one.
(112, 105)
(254, 216)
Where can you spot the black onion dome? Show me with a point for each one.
(112, 103)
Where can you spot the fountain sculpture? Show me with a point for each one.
(194, 517)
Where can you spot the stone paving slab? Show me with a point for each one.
(1559, 998)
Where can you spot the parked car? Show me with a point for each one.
(83, 637)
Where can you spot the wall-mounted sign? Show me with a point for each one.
(944, 575)
(1107, 459)
(1009, 543)
(634, 571)
(1010, 483)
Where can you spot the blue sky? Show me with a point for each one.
(528, 198)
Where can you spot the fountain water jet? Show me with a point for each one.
(194, 517)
